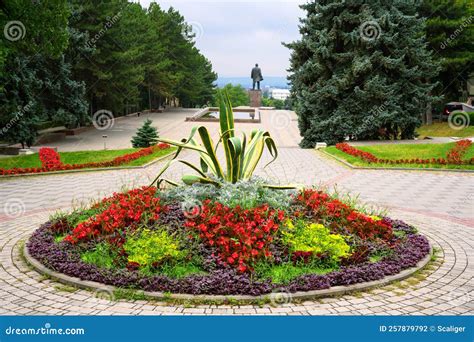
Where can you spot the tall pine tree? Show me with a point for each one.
(361, 69)
(450, 34)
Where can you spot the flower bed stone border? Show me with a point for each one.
(300, 295)
(346, 163)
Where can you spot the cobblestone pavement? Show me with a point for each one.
(440, 204)
(172, 124)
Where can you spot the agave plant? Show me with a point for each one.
(242, 154)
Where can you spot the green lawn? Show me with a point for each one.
(81, 157)
(404, 151)
(442, 129)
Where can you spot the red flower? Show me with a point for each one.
(49, 158)
(123, 210)
(366, 156)
(133, 266)
(455, 155)
(339, 215)
(240, 236)
(242, 268)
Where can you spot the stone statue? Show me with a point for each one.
(256, 76)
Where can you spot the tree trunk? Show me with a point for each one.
(149, 98)
(429, 114)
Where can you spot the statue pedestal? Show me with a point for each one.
(255, 98)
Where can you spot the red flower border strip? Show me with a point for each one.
(365, 156)
(49, 158)
(454, 156)
(51, 162)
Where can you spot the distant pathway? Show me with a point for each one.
(441, 204)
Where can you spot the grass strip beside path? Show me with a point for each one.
(404, 151)
(442, 129)
(82, 157)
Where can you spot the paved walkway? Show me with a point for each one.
(439, 203)
(172, 124)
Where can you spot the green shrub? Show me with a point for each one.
(103, 255)
(270, 102)
(82, 215)
(238, 95)
(195, 192)
(79, 214)
(150, 248)
(314, 238)
(146, 136)
(380, 253)
(59, 238)
(253, 193)
(284, 273)
(181, 270)
(247, 194)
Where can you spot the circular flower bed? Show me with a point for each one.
(237, 239)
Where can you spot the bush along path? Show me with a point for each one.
(146, 136)
(51, 161)
(453, 157)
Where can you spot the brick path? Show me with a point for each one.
(440, 204)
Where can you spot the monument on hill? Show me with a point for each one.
(256, 95)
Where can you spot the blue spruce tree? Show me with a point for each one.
(361, 70)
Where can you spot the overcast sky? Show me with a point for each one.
(234, 35)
